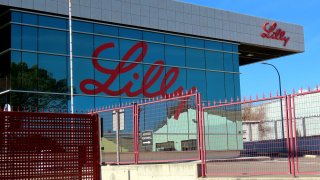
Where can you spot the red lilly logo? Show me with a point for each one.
(271, 32)
(151, 76)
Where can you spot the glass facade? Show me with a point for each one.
(112, 64)
(111, 61)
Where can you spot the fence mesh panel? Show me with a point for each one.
(125, 142)
(251, 133)
(306, 108)
(173, 126)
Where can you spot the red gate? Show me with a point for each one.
(49, 146)
(247, 138)
(165, 129)
(306, 136)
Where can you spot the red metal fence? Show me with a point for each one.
(244, 133)
(154, 130)
(306, 134)
(49, 146)
(267, 136)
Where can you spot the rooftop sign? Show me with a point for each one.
(272, 32)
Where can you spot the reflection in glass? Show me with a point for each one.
(195, 58)
(214, 60)
(215, 86)
(16, 36)
(130, 33)
(30, 38)
(105, 29)
(194, 42)
(53, 41)
(195, 78)
(52, 22)
(228, 62)
(82, 44)
(52, 73)
(213, 45)
(152, 36)
(175, 56)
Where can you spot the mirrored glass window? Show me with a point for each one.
(53, 41)
(195, 58)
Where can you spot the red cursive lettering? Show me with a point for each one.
(271, 32)
(148, 80)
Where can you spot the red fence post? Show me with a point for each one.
(136, 132)
(292, 148)
(201, 133)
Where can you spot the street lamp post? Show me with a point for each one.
(280, 95)
(71, 57)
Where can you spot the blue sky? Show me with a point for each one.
(299, 70)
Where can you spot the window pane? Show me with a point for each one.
(82, 44)
(83, 70)
(195, 58)
(214, 60)
(29, 19)
(83, 103)
(213, 45)
(227, 47)
(215, 86)
(16, 16)
(82, 26)
(235, 48)
(52, 73)
(29, 38)
(53, 41)
(237, 92)
(196, 79)
(108, 53)
(228, 62)
(131, 81)
(126, 46)
(151, 36)
(15, 36)
(175, 56)
(178, 77)
(53, 103)
(235, 62)
(29, 71)
(229, 84)
(16, 68)
(157, 73)
(194, 42)
(24, 100)
(52, 22)
(171, 39)
(105, 29)
(109, 82)
(155, 53)
(130, 33)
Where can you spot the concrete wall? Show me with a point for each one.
(185, 171)
(173, 16)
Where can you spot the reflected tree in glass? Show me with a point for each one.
(25, 78)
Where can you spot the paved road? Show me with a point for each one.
(264, 167)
